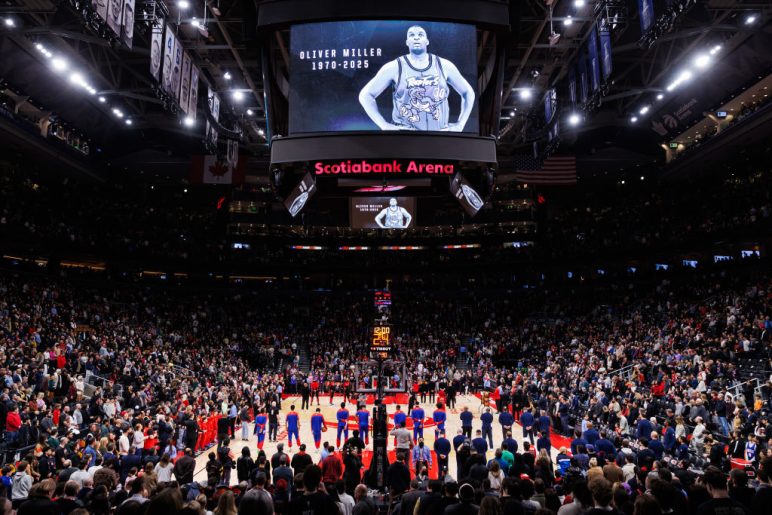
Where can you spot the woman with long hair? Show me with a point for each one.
(163, 469)
(226, 505)
(490, 506)
(495, 476)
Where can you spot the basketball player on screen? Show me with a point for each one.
(396, 217)
(420, 90)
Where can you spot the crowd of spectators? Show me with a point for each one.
(636, 363)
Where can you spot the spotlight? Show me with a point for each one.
(77, 78)
(250, 112)
(39, 47)
(750, 20)
(183, 4)
(102, 100)
(716, 49)
(129, 122)
(574, 119)
(525, 94)
(238, 95)
(634, 119)
(641, 177)
(644, 110)
(185, 190)
(59, 64)
(91, 90)
(568, 21)
(195, 23)
(579, 3)
(702, 61)
(685, 75)
(511, 113)
(117, 112)
(260, 131)
(227, 76)
(660, 96)
(189, 122)
(9, 22)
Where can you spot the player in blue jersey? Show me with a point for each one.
(261, 420)
(419, 82)
(317, 426)
(342, 417)
(439, 416)
(293, 426)
(363, 421)
(400, 419)
(418, 416)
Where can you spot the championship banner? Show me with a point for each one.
(127, 34)
(646, 14)
(193, 103)
(605, 52)
(176, 69)
(185, 82)
(156, 49)
(592, 58)
(100, 7)
(115, 15)
(168, 59)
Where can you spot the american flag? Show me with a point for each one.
(553, 171)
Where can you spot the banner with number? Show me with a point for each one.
(185, 82)
(593, 60)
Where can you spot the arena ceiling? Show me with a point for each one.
(227, 51)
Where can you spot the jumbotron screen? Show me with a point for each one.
(383, 75)
(382, 212)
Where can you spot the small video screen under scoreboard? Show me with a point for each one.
(382, 212)
(383, 75)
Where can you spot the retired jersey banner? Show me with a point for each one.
(115, 15)
(583, 79)
(176, 69)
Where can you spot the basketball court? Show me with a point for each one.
(452, 426)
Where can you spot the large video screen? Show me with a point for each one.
(383, 75)
(382, 212)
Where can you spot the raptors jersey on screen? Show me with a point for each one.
(421, 96)
(421, 84)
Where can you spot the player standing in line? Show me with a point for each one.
(315, 391)
(439, 417)
(293, 426)
(418, 416)
(260, 421)
(342, 417)
(317, 426)
(363, 419)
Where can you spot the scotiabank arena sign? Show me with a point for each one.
(395, 166)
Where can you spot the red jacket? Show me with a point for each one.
(332, 469)
(13, 421)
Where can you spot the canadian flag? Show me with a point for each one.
(209, 170)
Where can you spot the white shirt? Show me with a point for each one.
(346, 504)
(123, 444)
(164, 473)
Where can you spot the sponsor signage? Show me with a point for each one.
(394, 166)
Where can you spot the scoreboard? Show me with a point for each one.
(380, 342)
